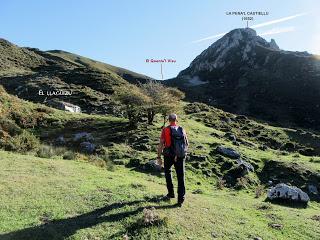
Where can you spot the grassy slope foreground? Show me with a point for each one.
(59, 199)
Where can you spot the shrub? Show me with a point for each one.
(9, 126)
(24, 120)
(221, 183)
(46, 151)
(69, 155)
(23, 142)
(102, 162)
(150, 216)
(241, 183)
(44, 109)
(259, 191)
(109, 163)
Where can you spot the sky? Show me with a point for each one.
(125, 33)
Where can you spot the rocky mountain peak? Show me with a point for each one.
(237, 45)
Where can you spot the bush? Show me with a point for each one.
(23, 142)
(46, 151)
(24, 119)
(69, 155)
(221, 183)
(10, 127)
(109, 163)
(259, 191)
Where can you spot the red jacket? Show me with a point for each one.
(166, 137)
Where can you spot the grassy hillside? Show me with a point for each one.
(104, 67)
(102, 195)
(92, 84)
(59, 199)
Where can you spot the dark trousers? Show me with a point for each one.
(179, 167)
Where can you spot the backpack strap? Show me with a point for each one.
(171, 137)
(184, 135)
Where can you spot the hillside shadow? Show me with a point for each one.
(288, 204)
(307, 139)
(64, 228)
(141, 169)
(104, 132)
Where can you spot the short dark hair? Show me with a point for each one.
(172, 117)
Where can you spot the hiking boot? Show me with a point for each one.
(180, 202)
(167, 197)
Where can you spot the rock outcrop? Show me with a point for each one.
(285, 192)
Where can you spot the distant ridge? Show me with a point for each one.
(25, 71)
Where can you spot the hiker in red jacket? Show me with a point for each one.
(173, 145)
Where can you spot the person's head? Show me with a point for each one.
(173, 118)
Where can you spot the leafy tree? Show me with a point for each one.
(163, 100)
(135, 102)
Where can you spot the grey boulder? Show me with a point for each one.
(247, 167)
(285, 192)
(228, 152)
(152, 165)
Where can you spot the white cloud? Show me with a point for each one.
(257, 26)
(208, 38)
(278, 20)
(274, 31)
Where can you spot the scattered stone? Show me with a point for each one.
(228, 152)
(246, 143)
(214, 134)
(264, 206)
(257, 238)
(263, 147)
(256, 132)
(285, 192)
(246, 167)
(236, 143)
(152, 165)
(134, 162)
(197, 158)
(142, 147)
(289, 146)
(197, 191)
(87, 147)
(143, 139)
(119, 162)
(276, 225)
(214, 235)
(307, 152)
(207, 173)
(230, 136)
(316, 218)
(226, 119)
(45, 219)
